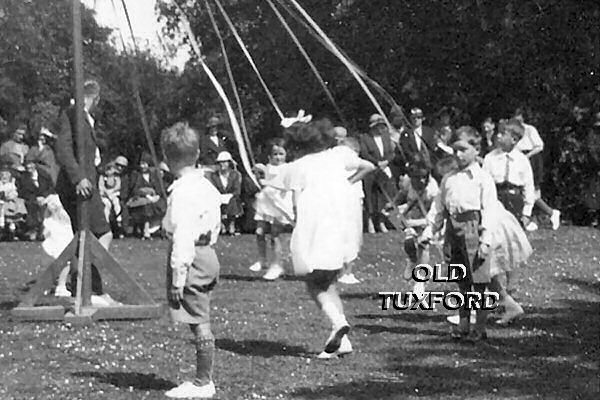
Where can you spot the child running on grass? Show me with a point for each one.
(274, 210)
(320, 186)
(192, 223)
(467, 201)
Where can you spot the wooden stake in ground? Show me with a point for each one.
(84, 247)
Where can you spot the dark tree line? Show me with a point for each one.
(479, 58)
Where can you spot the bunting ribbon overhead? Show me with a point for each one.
(344, 60)
(232, 81)
(233, 120)
(309, 62)
(249, 57)
(332, 47)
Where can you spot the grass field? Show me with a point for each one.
(269, 332)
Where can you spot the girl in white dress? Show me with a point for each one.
(320, 186)
(274, 210)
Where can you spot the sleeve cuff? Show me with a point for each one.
(527, 210)
(179, 277)
(485, 237)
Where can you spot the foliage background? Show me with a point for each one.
(480, 58)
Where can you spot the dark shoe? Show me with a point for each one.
(476, 337)
(335, 341)
(457, 334)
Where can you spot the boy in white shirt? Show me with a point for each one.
(466, 201)
(192, 223)
(512, 172)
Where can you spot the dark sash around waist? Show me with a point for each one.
(471, 215)
(508, 187)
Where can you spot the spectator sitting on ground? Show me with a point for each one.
(12, 208)
(110, 186)
(228, 181)
(14, 150)
(34, 187)
(43, 155)
(145, 201)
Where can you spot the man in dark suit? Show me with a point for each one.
(212, 143)
(418, 142)
(377, 147)
(76, 181)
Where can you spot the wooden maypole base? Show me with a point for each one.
(85, 250)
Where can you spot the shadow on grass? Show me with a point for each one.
(551, 352)
(8, 305)
(243, 278)
(362, 296)
(591, 287)
(135, 380)
(407, 316)
(260, 348)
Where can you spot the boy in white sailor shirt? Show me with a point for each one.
(192, 223)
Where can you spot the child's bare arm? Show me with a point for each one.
(364, 168)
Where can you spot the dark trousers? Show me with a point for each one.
(512, 199)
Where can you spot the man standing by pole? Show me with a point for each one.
(79, 181)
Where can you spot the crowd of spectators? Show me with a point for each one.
(134, 195)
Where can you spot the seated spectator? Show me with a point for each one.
(121, 164)
(43, 155)
(14, 150)
(109, 186)
(34, 186)
(12, 208)
(228, 181)
(146, 203)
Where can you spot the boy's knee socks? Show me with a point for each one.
(205, 351)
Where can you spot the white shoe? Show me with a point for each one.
(510, 314)
(61, 291)
(419, 289)
(189, 390)
(257, 266)
(104, 300)
(455, 319)
(555, 219)
(348, 279)
(345, 348)
(532, 226)
(274, 272)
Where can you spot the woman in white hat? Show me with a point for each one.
(228, 182)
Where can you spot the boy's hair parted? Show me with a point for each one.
(180, 143)
(470, 134)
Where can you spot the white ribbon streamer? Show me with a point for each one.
(232, 118)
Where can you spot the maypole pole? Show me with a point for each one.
(84, 246)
